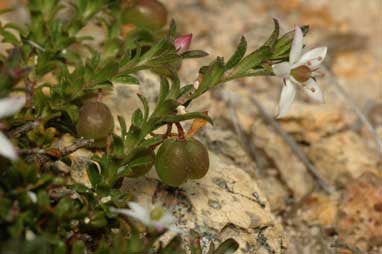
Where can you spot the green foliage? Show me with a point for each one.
(41, 209)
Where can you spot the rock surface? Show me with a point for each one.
(226, 203)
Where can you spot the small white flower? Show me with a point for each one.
(181, 110)
(196, 84)
(32, 196)
(9, 106)
(156, 217)
(301, 70)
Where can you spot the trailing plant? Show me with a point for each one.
(42, 210)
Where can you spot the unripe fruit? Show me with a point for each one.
(150, 14)
(198, 159)
(142, 170)
(96, 121)
(178, 160)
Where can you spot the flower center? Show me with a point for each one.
(301, 73)
(156, 213)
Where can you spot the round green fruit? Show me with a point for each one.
(149, 14)
(178, 160)
(149, 157)
(96, 121)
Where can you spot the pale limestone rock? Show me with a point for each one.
(292, 170)
(225, 203)
(342, 157)
(360, 212)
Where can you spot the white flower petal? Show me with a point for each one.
(297, 44)
(288, 93)
(10, 105)
(32, 196)
(313, 58)
(6, 148)
(137, 212)
(166, 220)
(281, 69)
(181, 110)
(313, 90)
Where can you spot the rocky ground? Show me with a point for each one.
(259, 189)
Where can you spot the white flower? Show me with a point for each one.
(301, 70)
(196, 84)
(181, 110)
(9, 106)
(156, 217)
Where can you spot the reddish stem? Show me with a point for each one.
(181, 135)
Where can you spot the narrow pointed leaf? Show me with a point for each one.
(126, 79)
(253, 60)
(194, 54)
(229, 246)
(238, 55)
(274, 36)
(188, 116)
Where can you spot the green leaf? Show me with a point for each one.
(71, 110)
(94, 174)
(122, 123)
(172, 30)
(211, 77)
(104, 85)
(145, 107)
(275, 34)
(126, 79)
(118, 146)
(229, 246)
(137, 118)
(106, 73)
(175, 87)
(151, 142)
(164, 90)
(174, 246)
(63, 207)
(253, 60)
(9, 37)
(238, 55)
(194, 54)
(154, 50)
(185, 90)
(184, 117)
(78, 247)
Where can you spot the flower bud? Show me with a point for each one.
(182, 43)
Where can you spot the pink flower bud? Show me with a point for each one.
(182, 43)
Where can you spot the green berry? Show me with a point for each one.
(96, 121)
(178, 160)
(149, 14)
(198, 159)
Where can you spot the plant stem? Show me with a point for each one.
(181, 135)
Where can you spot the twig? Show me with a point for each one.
(334, 82)
(341, 245)
(295, 148)
(77, 144)
(17, 132)
(54, 152)
(29, 92)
